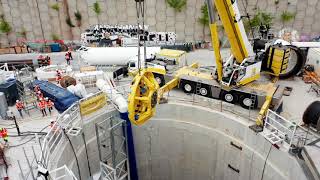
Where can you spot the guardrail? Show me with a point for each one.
(70, 121)
(62, 173)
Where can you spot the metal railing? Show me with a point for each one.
(62, 173)
(278, 130)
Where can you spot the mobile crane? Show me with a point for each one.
(236, 80)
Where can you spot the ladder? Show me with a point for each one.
(198, 87)
(253, 103)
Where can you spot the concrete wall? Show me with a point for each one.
(65, 155)
(37, 15)
(188, 142)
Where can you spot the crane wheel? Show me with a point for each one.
(301, 59)
(312, 114)
(229, 97)
(247, 102)
(187, 86)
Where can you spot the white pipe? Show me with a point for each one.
(113, 95)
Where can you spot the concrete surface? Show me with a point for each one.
(190, 142)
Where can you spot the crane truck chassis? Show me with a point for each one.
(252, 96)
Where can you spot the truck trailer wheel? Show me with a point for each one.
(187, 86)
(247, 102)
(229, 97)
(160, 79)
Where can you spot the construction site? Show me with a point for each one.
(159, 90)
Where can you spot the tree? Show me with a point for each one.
(287, 16)
(204, 19)
(261, 18)
(78, 16)
(55, 37)
(55, 6)
(177, 5)
(5, 27)
(69, 22)
(97, 9)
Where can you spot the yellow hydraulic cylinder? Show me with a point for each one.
(216, 48)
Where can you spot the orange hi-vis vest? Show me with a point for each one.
(19, 105)
(50, 104)
(42, 104)
(4, 133)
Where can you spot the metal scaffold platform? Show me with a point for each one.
(112, 145)
(24, 78)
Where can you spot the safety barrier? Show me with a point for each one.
(69, 122)
(92, 104)
(278, 130)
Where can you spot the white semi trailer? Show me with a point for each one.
(120, 56)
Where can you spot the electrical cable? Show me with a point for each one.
(265, 162)
(74, 152)
(248, 16)
(17, 145)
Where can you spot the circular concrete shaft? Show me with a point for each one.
(190, 142)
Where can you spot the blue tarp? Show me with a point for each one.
(61, 97)
(10, 90)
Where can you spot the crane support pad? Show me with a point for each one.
(278, 58)
(92, 104)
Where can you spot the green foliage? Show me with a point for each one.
(78, 16)
(177, 5)
(4, 26)
(55, 6)
(55, 37)
(287, 16)
(97, 8)
(23, 33)
(261, 18)
(204, 19)
(69, 22)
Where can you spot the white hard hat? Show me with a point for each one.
(17, 100)
(46, 98)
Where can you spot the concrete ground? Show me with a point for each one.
(294, 106)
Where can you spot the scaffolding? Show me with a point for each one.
(112, 146)
(24, 79)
